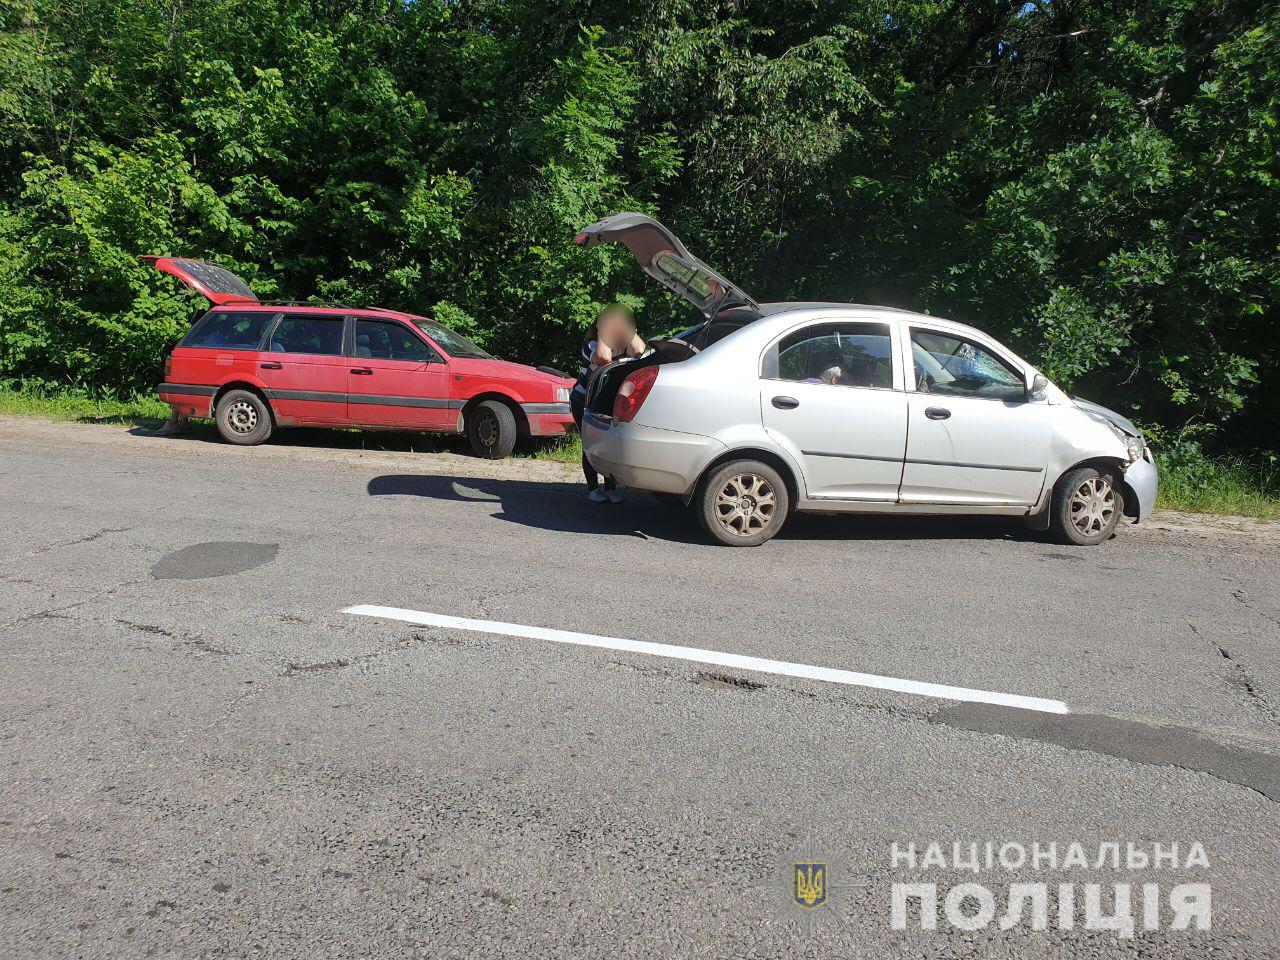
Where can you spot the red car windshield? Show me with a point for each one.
(454, 344)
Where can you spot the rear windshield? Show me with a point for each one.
(215, 278)
(454, 344)
(229, 330)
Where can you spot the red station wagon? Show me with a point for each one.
(255, 366)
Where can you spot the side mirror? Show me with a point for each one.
(1038, 387)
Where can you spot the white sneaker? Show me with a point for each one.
(597, 496)
(615, 496)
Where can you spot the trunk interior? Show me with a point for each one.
(603, 388)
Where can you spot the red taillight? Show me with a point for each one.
(168, 366)
(632, 393)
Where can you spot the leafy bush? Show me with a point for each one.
(1096, 182)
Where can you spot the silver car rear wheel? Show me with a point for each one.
(743, 503)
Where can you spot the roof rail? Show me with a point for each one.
(307, 303)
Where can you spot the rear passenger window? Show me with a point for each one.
(389, 341)
(303, 334)
(229, 331)
(840, 354)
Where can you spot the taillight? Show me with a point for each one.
(168, 366)
(632, 393)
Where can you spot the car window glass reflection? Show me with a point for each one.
(952, 366)
(839, 354)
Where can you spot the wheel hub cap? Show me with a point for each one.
(1093, 506)
(242, 417)
(745, 505)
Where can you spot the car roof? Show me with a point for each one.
(773, 310)
(304, 306)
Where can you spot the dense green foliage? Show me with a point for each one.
(1095, 182)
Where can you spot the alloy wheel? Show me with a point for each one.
(745, 504)
(1093, 505)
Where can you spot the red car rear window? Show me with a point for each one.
(215, 278)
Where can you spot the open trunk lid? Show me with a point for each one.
(661, 255)
(216, 283)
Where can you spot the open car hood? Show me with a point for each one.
(216, 283)
(661, 255)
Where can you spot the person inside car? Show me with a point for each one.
(612, 337)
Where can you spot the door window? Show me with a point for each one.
(306, 334)
(229, 331)
(953, 366)
(390, 341)
(841, 354)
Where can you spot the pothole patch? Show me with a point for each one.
(218, 558)
(319, 667)
(723, 681)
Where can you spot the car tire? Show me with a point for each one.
(491, 428)
(742, 503)
(1087, 506)
(243, 418)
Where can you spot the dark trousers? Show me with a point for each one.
(577, 406)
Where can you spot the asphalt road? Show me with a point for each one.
(204, 756)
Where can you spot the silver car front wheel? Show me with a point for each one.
(1086, 507)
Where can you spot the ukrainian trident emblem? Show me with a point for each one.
(810, 886)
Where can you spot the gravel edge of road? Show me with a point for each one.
(206, 444)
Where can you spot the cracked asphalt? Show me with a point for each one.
(203, 756)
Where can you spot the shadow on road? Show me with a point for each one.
(388, 441)
(564, 507)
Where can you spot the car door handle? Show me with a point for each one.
(786, 403)
(363, 371)
(271, 365)
(937, 413)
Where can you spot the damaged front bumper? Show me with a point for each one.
(1142, 484)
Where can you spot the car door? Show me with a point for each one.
(831, 392)
(396, 379)
(304, 369)
(973, 436)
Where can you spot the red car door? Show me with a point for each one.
(304, 368)
(396, 379)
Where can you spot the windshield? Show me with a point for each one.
(454, 344)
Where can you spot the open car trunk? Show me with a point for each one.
(215, 283)
(662, 256)
(602, 389)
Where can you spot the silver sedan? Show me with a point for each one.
(762, 409)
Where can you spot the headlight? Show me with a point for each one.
(1136, 447)
(562, 394)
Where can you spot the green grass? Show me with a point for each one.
(1196, 483)
(75, 405)
(568, 450)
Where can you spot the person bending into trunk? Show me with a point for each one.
(612, 337)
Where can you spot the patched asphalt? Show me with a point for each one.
(204, 757)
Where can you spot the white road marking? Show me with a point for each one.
(756, 664)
